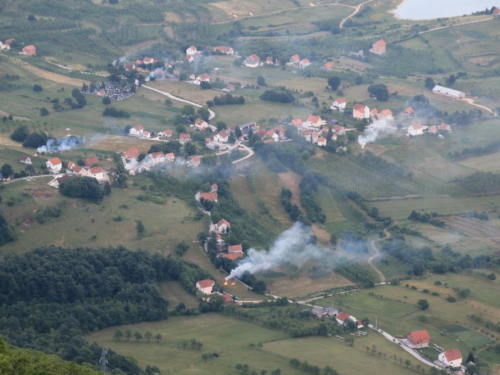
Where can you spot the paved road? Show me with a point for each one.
(212, 113)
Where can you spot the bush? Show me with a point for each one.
(285, 96)
(113, 112)
(20, 134)
(106, 100)
(81, 187)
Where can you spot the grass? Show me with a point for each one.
(175, 294)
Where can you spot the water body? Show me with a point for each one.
(430, 9)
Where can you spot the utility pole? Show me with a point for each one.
(103, 361)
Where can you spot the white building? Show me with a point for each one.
(451, 357)
(339, 104)
(191, 51)
(360, 111)
(450, 93)
(416, 129)
(97, 173)
(136, 130)
(205, 286)
(221, 137)
(54, 165)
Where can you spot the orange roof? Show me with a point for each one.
(452, 354)
(193, 48)
(206, 283)
(70, 163)
(223, 221)
(359, 107)
(419, 336)
(96, 170)
(138, 127)
(443, 126)
(195, 158)
(77, 169)
(409, 110)
(158, 154)
(223, 134)
(170, 155)
(132, 152)
(185, 136)
(329, 65)
(233, 256)
(342, 316)
(212, 196)
(313, 119)
(296, 121)
(295, 58)
(305, 61)
(91, 161)
(374, 110)
(416, 126)
(30, 49)
(254, 57)
(55, 161)
(340, 101)
(227, 298)
(387, 112)
(321, 140)
(148, 60)
(380, 43)
(235, 248)
(433, 128)
(199, 121)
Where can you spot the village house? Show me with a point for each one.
(445, 128)
(97, 173)
(157, 157)
(340, 130)
(129, 67)
(80, 171)
(235, 249)
(194, 162)
(136, 130)
(321, 141)
(318, 312)
(202, 78)
(339, 104)
(450, 93)
(270, 60)
(54, 165)
(252, 61)
(227, 298)
(214, 187)
(200, 124)
(146, 134)
(223, 226)
(416, 129)
(233, 256)
(296, 122)
(314, 121)
(165, 134)
(71, 165)
(433, 129)
(496, 12)
(314, 137)
(295, 59)
(205, 286)
(189, 58)
(224, 50)
(89, 162)
(306, 134)
(247, 126)
(342, 317)
(130, 154)
(451, 358)
(143, 167)
(418, 339)
(170, 157)
(408, 112)
(25, 159)
(57, 181)
(184, 138)
(360, 111)
(29, 50)
(304, 63)
(148, 60)
(191, 51)
(211, 196)
(374, 114)
(378, 47)
(331, 311)
(328, 66)
(229, 88)
(222, 136)
(386, 115)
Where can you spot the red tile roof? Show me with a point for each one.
(341, 101)
(206, 283)
(359, 107)
(343, 316)
(409, 110)
(227, 298)
(55, 161)
(91, 161)
(138, 127)
(329, 65)
(212, 196)
(156, 155)
(131, 153)
(96, 170)
(313, 119)
(233, 256)
(380, 43)
(419, 337)
(452, 354)
(417, 126)
(223, 221)
(185, 136)
(24, 158)
(295, 58)
(235, 248)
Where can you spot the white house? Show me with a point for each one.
(136, 130)
(170, 157)
(295, 59)
(25, 159)
(433, 129)
(165, 134)
(189, 58)
(146, 134)
(450, 93)
(321, 141)
(252, 61)
(202, 78)
(205, 286)
(54, 165)
(157, 157)
(200, 124)
(191, 51)
(385, 114)
(314, 121)
(340, 130)
(148, 60)
(339, 104)
(342, 317)
(304, 63)
(360, 111)
(222, 226)
(97, 173)
(222, 136)
(225, 50)
(184, 137)
(416, 129)
(445, 128)
(194, 162)
(451, 358)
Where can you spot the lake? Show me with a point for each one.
(430, 9)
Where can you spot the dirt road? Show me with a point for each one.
(356, 11)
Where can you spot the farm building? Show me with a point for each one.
(378, 47)
(29, 50)
(450, 93)
(419, 339)
(25, 159)
(445, 128)
(252, 61)
(205, 286)
(451, 358)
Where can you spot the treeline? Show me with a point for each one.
(426, 218)
(7, 233)
(113, 112)
(312, 369)
(372, 162)
(51, 297)
(480, 183)
(84, 188)
(284, 96)
(476, 151)
(372, 212)
(356, 273)
(308, 189)
(31, 140)
(293, 210)
(227, 99)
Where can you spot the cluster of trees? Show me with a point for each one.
(7, 233)
(475, 215)
(227, 99)
(372, 212)
(308, 187)
(113, 112)
(379, 91)
(481, 183)
(283, 96)
(119, 334)
(258, 286)
(372, 162)
(6, 82)
(293, 210)
(311, 369)
(426, 218)
(357, 274)
(476, 151)
(83, 187)
(79, 97)
(32, 140)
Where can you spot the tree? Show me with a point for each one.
(190, 148)
(148, 335)
(158, 337)
(231, 139)
(423, 304)
(6, 170)
(187, 110)
(106, 100)
(140, 229)
(429, 83)
(137, 336)
(259, 287)
(380, 91)
(261, 81)
(81, 187)
(106, 188)
(237, 132)
(205, 85)
(220, 126)
(407, 363)
(37, 88)
(31, 18)
(128, 334)
(168, 102)
(35, 140)
(204, 113)
(20, 134)
(118, 334)
(334, 82)
(44, 111)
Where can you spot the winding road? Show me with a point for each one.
(356, 11)
(370, 260)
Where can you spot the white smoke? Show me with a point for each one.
(291, 247)
(61, 144)
(374, 131)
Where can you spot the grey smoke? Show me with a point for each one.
(292, 247)
(61, 144)
(374, 131)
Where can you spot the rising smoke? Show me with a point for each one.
(292, 247)
(61, 144)
(374, 131)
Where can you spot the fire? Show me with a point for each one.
(35, 155)
(225, 283)
(233, 283)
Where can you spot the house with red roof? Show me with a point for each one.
(451, 358)
(342, 317)
(80, 171)
(215, 187)
(89, 162)
(408, 112)
(191, 51)
(378, 47)
(227, 298)
(296, 122)
(71, 165)
(136, 130)
(131, 153)
(200, 124)
(165, 134)
(189, 58)
(360, 111)
(97, 173)
(314, 121)
(157, 157)
(235, 249)
(25, 159)
(270, 60)
(321, 141)
(229, 88)
(340, 130)
(445, 128)
(328, 66)
(202, 78)
(222, 136)
(54, 165)
(496, 12)
(194, 162)
(339, 104)
(223, 226)
(233, 256)
(386, 115)
(205, 286)
(184, 138)
(295, 59)
(415, 129)
(146, 134)
(419, 339)
(252, 61)
(211, 196)
(170, 157)
(148, 60)
(304, 63)
(433, 129)
(224, 50)
(29, 50)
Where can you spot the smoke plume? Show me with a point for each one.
(374, 131)
(291, 247)
(61, 144)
